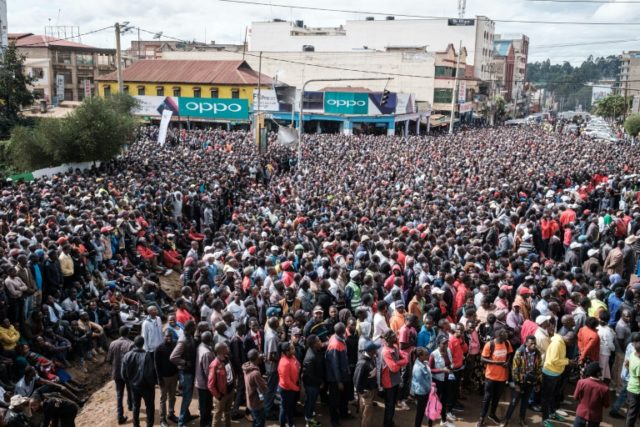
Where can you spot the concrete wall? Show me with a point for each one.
(294, 68)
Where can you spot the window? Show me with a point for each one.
(64, 58)
(37, 73)
(68, 95)
(214, 92)
(84, 59)
(442, 95)
(159, 90)
(197, 92)
(444, 72)
(107, 90)
(38, 93)
(140, 90)
(125, 89)
(235, 93)
(176, 91)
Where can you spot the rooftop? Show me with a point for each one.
(38, 40)
(190, 71)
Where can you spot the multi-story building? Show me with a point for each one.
(380, 35)
(187, 78)
(153, 49)
(520, 45)
(64, 70)
(630, 77)
(503, 68)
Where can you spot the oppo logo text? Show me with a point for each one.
(205, 107)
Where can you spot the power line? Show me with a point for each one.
(435, 18)
(45, 41)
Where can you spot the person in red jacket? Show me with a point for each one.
(221, 384)
(459, 348)
(391, 376)
(592, 396)
(589, 342)
(288, 383)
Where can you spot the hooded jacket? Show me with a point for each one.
(255, 386)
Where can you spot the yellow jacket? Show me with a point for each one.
(66, 264)
(556, 358)
(9, 337)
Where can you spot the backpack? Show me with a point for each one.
(434, 406)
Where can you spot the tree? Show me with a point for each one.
(632, 125)
(14, 92)
(611, 106)
(97, 130)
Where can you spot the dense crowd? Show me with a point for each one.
(398, 272)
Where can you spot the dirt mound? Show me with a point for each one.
(171, 284)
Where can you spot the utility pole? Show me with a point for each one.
(138, 42)
(119, 59)
(454, 93)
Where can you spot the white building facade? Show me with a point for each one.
(476, 35)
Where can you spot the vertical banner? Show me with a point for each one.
(60, 87)
(87, 88)
(164, 126)
(462, 91)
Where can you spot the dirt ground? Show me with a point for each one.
(100, 411)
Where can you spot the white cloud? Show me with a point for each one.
(226, 22)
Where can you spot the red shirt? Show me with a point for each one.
(588, 344)
(289, 373)
(592, 396)
(528, 328)
(458, 349)
(183, 316)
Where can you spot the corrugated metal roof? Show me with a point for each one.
(501, 47)
(36, 40)
(190, 71)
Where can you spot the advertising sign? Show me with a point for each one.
(462, 91)
(214, 108)
(599, 92)
(60, 87)
(155, 105)
(458, 22)
(346, 103)
(268, 100)
(466, 107)
(87, 88)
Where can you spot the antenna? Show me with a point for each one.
(462, 5)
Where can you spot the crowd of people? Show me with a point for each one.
(405, 273)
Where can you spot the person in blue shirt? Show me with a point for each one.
(427, 335)
(421, 383)
(614, 302)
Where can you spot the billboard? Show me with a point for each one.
(346, 103)
(214, 108)
(460, 22)
(60, 87)
(268, 100)
(599, 92)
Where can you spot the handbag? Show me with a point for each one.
(434, 406)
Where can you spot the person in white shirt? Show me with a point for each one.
(380, 325)
(152, 330)
(607, 344)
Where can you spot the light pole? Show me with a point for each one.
(301, 109)
(120, 29)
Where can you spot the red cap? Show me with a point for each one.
(252, 250)
(404, 229)
(525, 291)
(413, 231)
(421, 227)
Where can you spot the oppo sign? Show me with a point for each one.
(214, 108)
(346, 103)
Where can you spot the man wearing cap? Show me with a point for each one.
(523, 299)
(353, 291)
(592, 267)
(365, 382)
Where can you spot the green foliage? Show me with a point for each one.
(14, 94)
(96, 130)
(500, 108)
(568, 82)
(610, 106)
(632, 125)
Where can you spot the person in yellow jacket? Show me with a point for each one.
(555, 362)
(9, 336)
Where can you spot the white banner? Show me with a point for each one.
(465, 107)
(60, 87)
(268, 100)
(87, 88)
(462, 91)
(164, 126)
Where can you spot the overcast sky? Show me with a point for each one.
(226, 22)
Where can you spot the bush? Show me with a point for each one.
(632, 125)
(97, 130)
